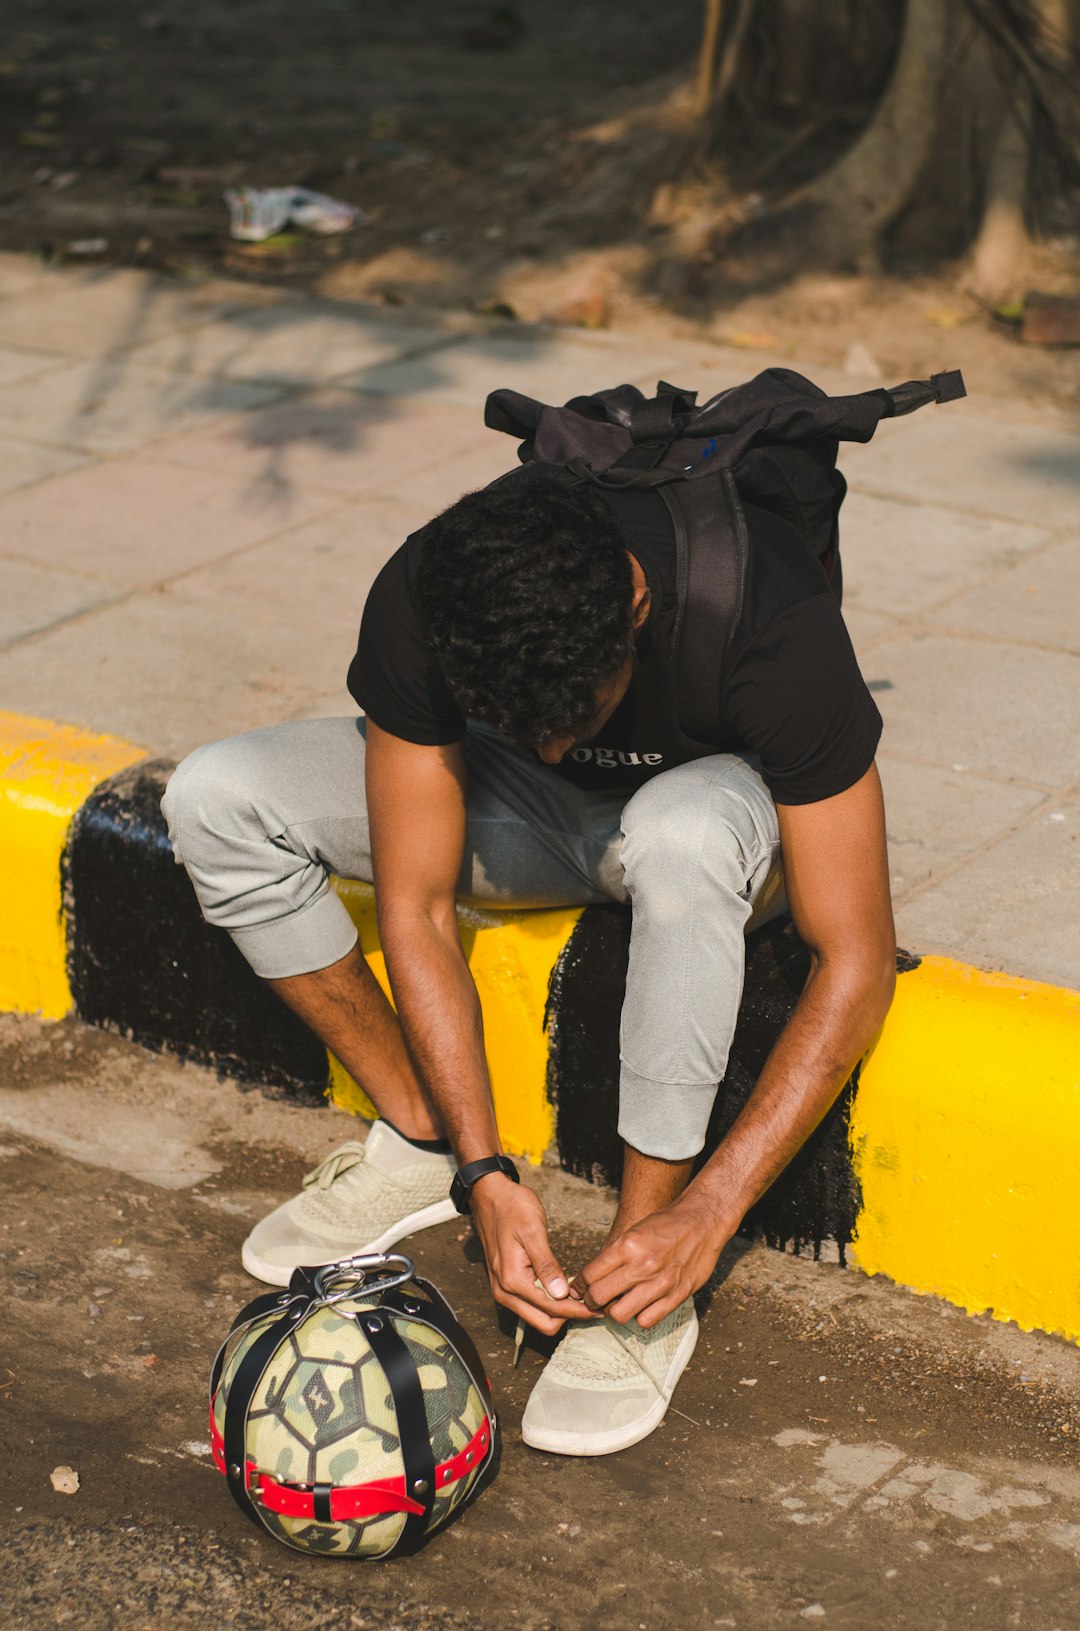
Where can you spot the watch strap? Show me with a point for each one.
(472, 1171)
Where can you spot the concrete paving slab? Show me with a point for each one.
(542, 363)
(332, 703)
(93, 313)
(1037, 601)
(205, 296)
(19, 272)
(316, 575)
(433, 489)
(998, 709)
(865, 628)
(17, 363)
(132, 522)
(173, 673)
(902, 558)
(116, 407)
(332, 439)
(33, 598)
(298, 344)
(935, 817)
(1013, 907)
(1026, 471)
(23, 463)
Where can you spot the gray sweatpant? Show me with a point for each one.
(261, 821)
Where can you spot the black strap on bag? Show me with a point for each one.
(661, 418)
(437, 1312)
(249, 1315)
(259, 1306)
(407, 1392)
(244, 1383)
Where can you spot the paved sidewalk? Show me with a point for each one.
(199, 483)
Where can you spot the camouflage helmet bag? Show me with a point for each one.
(350, 1414)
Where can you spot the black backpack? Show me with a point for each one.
(771, 443)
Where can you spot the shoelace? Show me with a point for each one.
(587, 1354)
(337, 1164)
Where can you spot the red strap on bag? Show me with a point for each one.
(351, 1502)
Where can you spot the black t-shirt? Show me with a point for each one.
(791, 690)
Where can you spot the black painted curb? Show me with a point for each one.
(817, 1198)
(142, 960)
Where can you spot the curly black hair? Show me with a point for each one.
(525, 595)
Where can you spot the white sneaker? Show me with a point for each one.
(362, 1198)
(606, 1386)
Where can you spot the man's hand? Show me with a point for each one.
(512, 1226)
(646, 1272)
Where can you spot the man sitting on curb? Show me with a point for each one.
(518, 750)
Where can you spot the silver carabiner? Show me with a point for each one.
(367, 1274)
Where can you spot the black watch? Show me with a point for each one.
(467, 1175)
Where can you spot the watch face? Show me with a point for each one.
(459, 1195)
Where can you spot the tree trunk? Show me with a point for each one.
(1057, 26)
(733, 48)
(865, 189)
(709, 57)
(1002, 245)
(797, 27)
(721, 52)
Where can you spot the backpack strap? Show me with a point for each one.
(637, 468)
(916, 393)
(712, 548)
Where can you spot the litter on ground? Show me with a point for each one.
(256, 213)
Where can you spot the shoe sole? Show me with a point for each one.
(278, 1274)
(623, 1437)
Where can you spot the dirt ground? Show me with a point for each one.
(505, 158)
(838, 1451)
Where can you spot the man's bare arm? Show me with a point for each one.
(836, 871)
(417, 811)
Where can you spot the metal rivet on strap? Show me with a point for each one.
(235, 1471)
(411, 1308)
(374, 1323)
(468, 1457)
(420, 1486)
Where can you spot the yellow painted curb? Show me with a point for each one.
(966, 1137)
(511, 956)
(46, 773)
